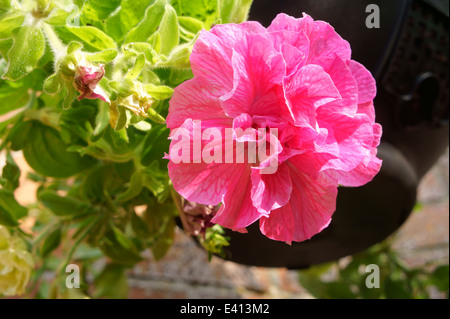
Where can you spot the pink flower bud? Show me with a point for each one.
(86, 82)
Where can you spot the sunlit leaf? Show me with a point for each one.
(27, 49)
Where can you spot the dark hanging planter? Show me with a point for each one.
(408, 56)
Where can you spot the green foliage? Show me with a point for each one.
(92, 38)
(96, 148)
(111, 283)
(350, 279)
(214, 241)
(10, 210)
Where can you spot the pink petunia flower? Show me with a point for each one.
(297, 77)
(86, 82)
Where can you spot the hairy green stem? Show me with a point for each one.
(58, 48)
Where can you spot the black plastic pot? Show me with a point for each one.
(408, 56)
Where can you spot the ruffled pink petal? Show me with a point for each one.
(367, 88)
(243, 130)
(294, 46)
(232, 35)
(325, 43)
(311, 162)
(211, 63)
(347, 86)
(366, 169)
(193, 177)
(204, 183)
(367, 109)
(293, 57)
(195, 99)
(360, 175)
(309, 211)
(305, 91)
(271, 191)
(354, 137)
(237, 210)
(257, 72)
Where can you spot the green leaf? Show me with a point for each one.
(122, 118)
(149, 24)
(168, 30)
(5, 5)
(87, 252)
(6, 218)
(27, 49)
(143, 126)
(58, 16)
(51, 242)
(130, 14)
(339, 290)
(396, 289)
(95, 183)
(234, 11)
(156, 44)
(99, 9)
(139, 226)
(156, 143)
(159, 92)
(139, 64)
(191, 24)
(157, 182)
(10, 174)
(12, 96)
(104, 56)
(117, 246)
(18, 136)
(155, 117)
(35, 79)
(47, 154)
(112, 283)
(73, 47)
(214, 241)
(137, 47)
(70, 95)
(102, 118)
(203, 10)
(165, 241)
(9, 22)
(92, 37)
(81, 112)
(440, 277)
(10, 209)
(52, 84)
(5, 46)
(62, 206)
(134, 188)
(161, 224)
